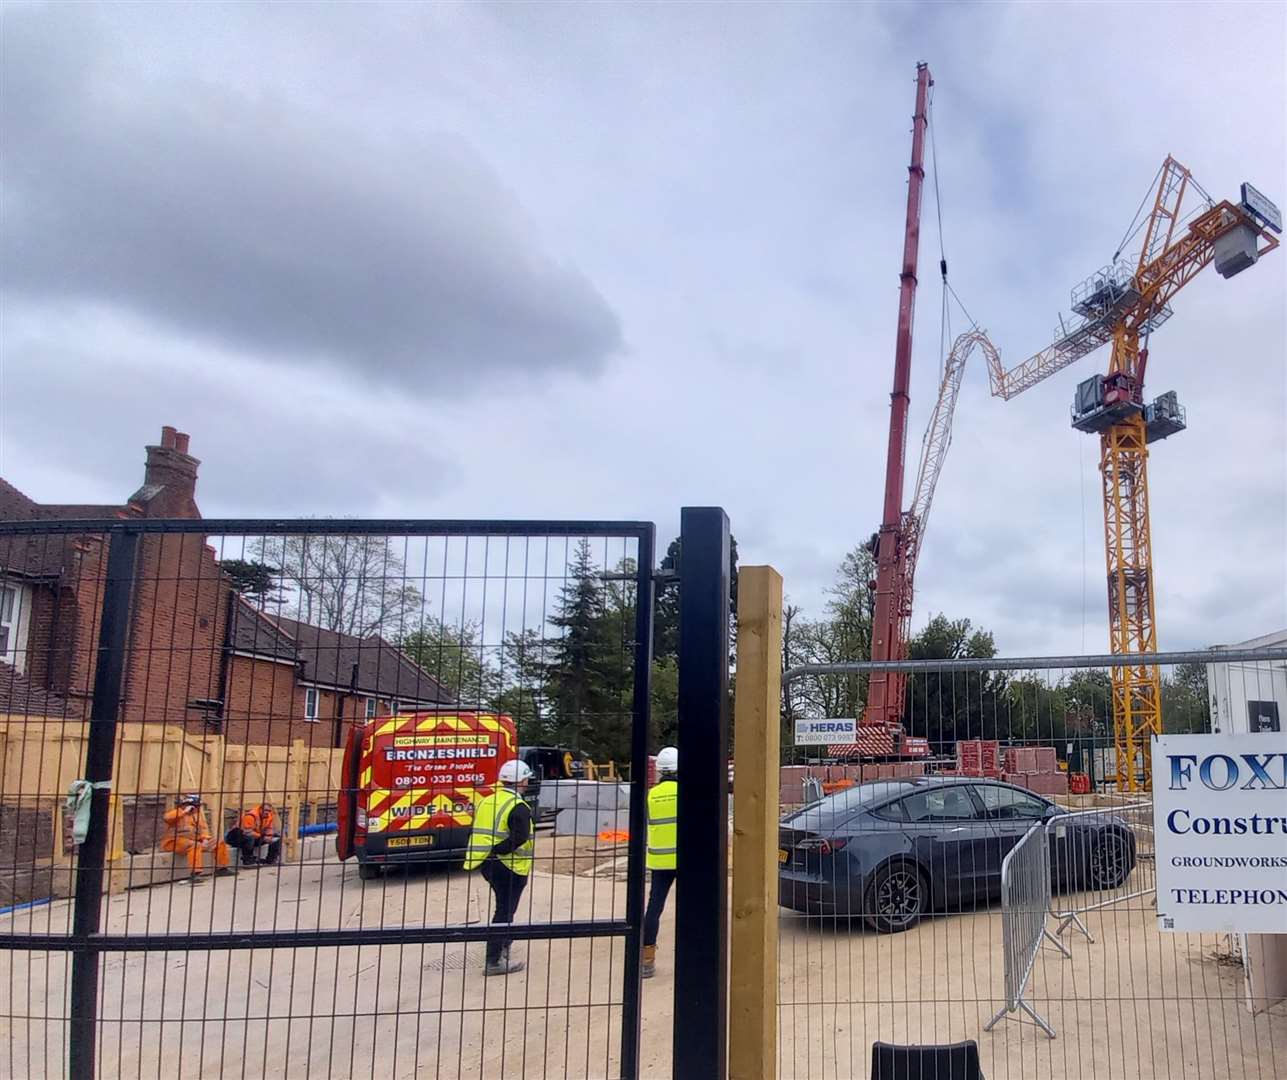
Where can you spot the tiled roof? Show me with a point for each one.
(41, 556)
(255, 632)
(327, 657)
(20, 697)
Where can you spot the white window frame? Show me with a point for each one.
(12, 598)
(371, 708)
(314, 695)
(15, 622)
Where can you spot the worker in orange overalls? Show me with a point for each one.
(257, 828)
(186, 833)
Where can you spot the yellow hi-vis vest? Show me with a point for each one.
(491, 826)
(663, 825)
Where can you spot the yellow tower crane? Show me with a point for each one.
(1123, 304)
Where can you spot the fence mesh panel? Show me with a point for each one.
(892, 924)
(234, 939)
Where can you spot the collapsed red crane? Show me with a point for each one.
(885, 691)
(902, 531)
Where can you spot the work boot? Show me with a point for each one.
(503, 965)
(649, 961)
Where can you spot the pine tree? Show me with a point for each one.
(575, 663)
(255, 580)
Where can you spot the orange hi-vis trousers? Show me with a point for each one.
(187, 834)
(196, 851)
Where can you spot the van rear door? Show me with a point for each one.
(346, 806)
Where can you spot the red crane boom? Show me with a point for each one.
(884, 695)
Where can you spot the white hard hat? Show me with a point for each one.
(668, 759)
(514, 772)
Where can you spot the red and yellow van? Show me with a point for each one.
(409, 785)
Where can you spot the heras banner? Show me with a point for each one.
(1220, 819)
(824, 732)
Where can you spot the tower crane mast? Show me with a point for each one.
(1123, 304)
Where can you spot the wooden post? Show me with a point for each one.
(296, 782)
(753, 983)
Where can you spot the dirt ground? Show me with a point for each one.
(1135, 1004)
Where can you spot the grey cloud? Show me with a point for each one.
(270, 443)
(257, 224)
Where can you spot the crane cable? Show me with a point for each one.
(1137, 223)
(945, 317)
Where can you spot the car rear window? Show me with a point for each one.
(844, 804)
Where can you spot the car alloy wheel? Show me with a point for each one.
(897, 898)
(1108, 866)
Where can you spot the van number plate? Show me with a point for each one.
(410, 841)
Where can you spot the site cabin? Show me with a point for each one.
(410, 784)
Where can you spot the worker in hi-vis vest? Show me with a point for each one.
(502, 844)
(663, 831)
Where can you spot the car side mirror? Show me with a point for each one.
(1053, 811)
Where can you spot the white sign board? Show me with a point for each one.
(1220, 822)
(822, 732)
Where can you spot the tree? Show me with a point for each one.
(352, 584)
(1031, 710)
(1186, 700)
(791, 655)
(665, 635)
(522, 694)
(947, 706)
(665, 701)
(255, 580)
(454, 656)
(581, 671)
(842, 635)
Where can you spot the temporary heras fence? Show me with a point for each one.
(1128, 826)
(925, 882)
(1025, 906)
(202, 875)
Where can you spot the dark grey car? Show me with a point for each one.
(894, 850)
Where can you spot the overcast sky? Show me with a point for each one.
(604, 261)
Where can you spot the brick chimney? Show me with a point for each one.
(169, 479)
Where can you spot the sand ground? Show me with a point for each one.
(1133, 1004)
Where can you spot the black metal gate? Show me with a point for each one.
(227, 659)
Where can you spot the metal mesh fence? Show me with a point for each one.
(285, 731)
(890, 860)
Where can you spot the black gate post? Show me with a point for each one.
(632, 997)
(701, 902)
(99, 758)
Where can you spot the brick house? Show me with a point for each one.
(199, 653)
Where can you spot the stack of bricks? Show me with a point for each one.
(978, 757)
(792, 777)
(1035, 768)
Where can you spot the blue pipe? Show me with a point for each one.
(315, 830)
(28, 904)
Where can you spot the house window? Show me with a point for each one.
(370, 708)
(10, 606)
(310, 704)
